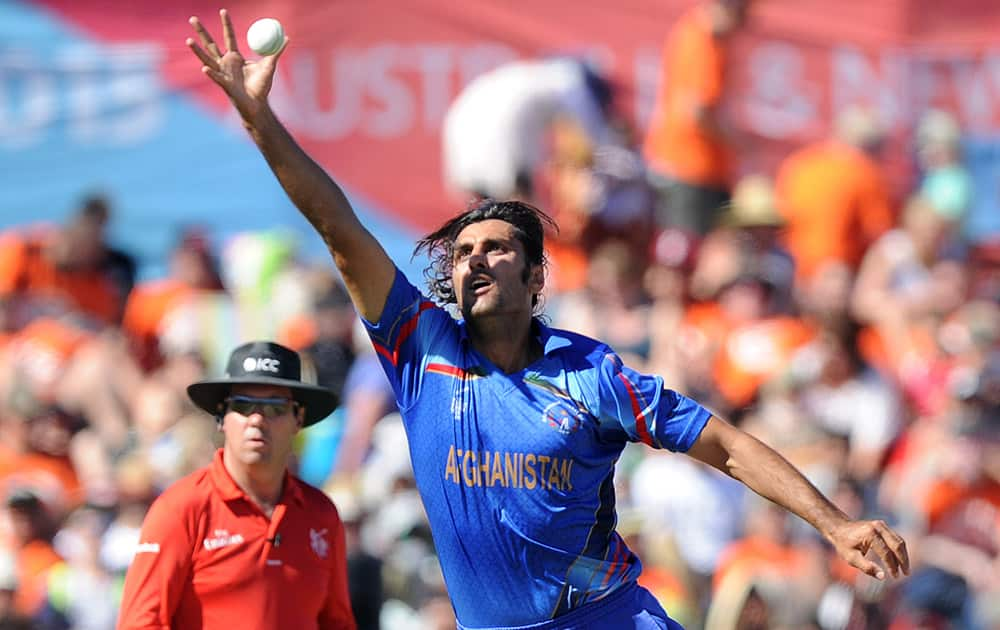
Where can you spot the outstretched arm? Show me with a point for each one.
(763, 470)
(367, 270)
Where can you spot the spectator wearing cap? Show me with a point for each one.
(242, 542)
(753, 220)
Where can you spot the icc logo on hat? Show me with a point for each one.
(264, 363)
(261, 364)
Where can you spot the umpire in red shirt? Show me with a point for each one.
(242, 543)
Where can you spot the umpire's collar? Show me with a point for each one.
(229, 491)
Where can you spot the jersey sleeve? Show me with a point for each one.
(161, 567)
(404, 335)
(336, 613)
(640, 407)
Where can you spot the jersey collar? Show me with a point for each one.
(229, 491)
(551, 339)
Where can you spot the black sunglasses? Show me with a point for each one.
(267, 407)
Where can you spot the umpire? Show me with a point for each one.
(242, 543)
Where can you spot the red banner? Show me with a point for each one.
(366, 83)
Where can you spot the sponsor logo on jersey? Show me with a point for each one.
(221, 538)
(147, 547)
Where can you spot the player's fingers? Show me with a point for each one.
(898, 547)
(271, 61)
(204, 57)
(215, 75)
(206, 39)
(860, 562)
(284, 45)
(889, 559)
(228, 34)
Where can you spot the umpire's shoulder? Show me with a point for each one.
(316, 501)
(190, 492)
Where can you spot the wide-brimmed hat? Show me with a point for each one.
(264, 363)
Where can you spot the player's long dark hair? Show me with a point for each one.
(529, 224)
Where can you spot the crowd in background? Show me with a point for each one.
(855, 330)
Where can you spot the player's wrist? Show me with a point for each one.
(258, 119)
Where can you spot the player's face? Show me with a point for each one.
(491, 275)
(260, 423)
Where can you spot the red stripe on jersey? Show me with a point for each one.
(640, 419)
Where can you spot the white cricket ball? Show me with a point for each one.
(266, 36)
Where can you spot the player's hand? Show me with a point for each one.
(246, 83)
(854, 539)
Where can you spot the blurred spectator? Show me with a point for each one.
(840, 387)
(364, 570)
(834, 195)
(700, 513)
(32, 529)
(788, 574)
(612, 306)
(663, 574)
(984, 262)
(331, 346)
(894, 285)
(367, 399)
(94, 213)
(961, 551)
(596, 191)
(752, 218)
(494, 131)
(688, 143)
(665, 281)
(80, 592)
(265, 288)
(192, 268)
(903, 288)
(748, 342)
(52, 270)
(946, 184)
(9, 617)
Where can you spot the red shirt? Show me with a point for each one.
(209, 558)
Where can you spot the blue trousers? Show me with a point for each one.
(630, 608)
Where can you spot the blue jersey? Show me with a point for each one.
(516, 471)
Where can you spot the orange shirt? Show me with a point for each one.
(836, 202)
(33, 562)
(756, 352)
(147, 306)
(24, 268)
(694, 66)
(51, 477)
(43, 349)
(755, 556)
(209, 558)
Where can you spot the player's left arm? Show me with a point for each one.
(766, 472)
